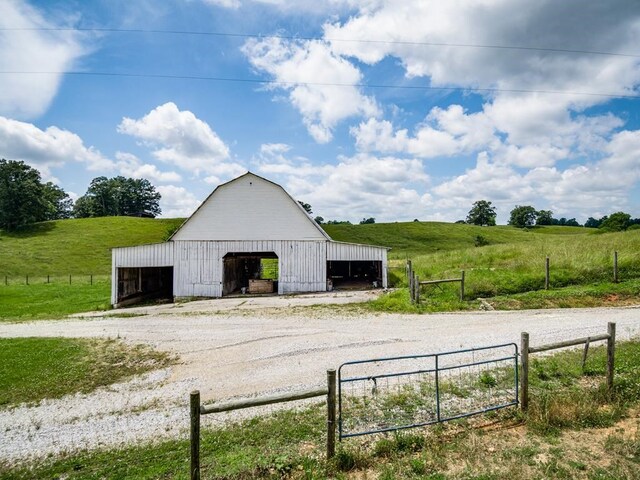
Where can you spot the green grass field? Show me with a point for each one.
(563, 436)
(408, 239)
(81, 246)
(498, 261)
(53, 300)
(32, 369)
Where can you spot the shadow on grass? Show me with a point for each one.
(32, 230)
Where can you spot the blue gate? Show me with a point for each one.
(387, 394)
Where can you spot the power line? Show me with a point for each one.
(323, 84)
(329, 39)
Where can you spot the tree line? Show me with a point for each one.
(25, 199)
(484, 213)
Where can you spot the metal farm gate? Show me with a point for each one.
(387, 394)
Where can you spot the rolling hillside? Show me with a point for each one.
(83, 246)
(413, 238)
(77, 246)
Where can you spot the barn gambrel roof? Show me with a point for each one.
(250, 207)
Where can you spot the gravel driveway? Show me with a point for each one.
(245, 352)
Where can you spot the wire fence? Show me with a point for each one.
(69, 279)
(405, 392)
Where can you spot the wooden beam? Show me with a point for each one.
(266, 400)
(568, 343)
(331, 413)
(446, 280)
(195, 436)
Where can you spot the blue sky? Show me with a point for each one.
(388, 109)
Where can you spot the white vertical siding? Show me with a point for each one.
(198, 265)
(249, 208)
(154, 255)
(352, 251)
(198, 268)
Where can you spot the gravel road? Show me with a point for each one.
(246, 352)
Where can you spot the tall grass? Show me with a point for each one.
(520, 267)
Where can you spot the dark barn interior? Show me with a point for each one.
(354, 274)
(145, 283)
(255, 273)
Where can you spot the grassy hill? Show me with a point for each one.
(416, 238)
(497, 261)
(78, 246)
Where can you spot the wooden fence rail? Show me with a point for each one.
(197, 410)
(526, 350)
(415, 283)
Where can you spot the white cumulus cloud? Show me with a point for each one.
(26, 96)
(180, 138)
(44, 149)
(131, 166)
(298, 63)
(176, 201)
(386, 188)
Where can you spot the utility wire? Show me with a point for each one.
(322, 84)
(328, 39)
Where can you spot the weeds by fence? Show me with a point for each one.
(197, 410)
(488, 281)
(526, 350)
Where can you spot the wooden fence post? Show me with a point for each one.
(195, 435)
(417, 289)
(585, 353)
(27, 282)
(331, 413)
(615, 267)
(47, 278)
(91, 279)
(69, 279)
(524, 377)
(462, 286)
(546, 274)
(611, 351)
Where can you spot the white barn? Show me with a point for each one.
(248, 236)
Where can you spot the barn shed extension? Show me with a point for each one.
(248, 237)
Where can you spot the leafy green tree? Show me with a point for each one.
(592, 223)
(522, 216)
(319, 220)
(306, 206)
(544, 217)
(366, 221)
(616, 222)
(572, 222)
(58, 203)
(21, 195)
(118, 196)
(482, 213)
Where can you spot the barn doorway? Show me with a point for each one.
(354, 274)
(250, 273)
(144, 283)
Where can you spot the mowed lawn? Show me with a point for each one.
(32, 369)
(39, 300)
